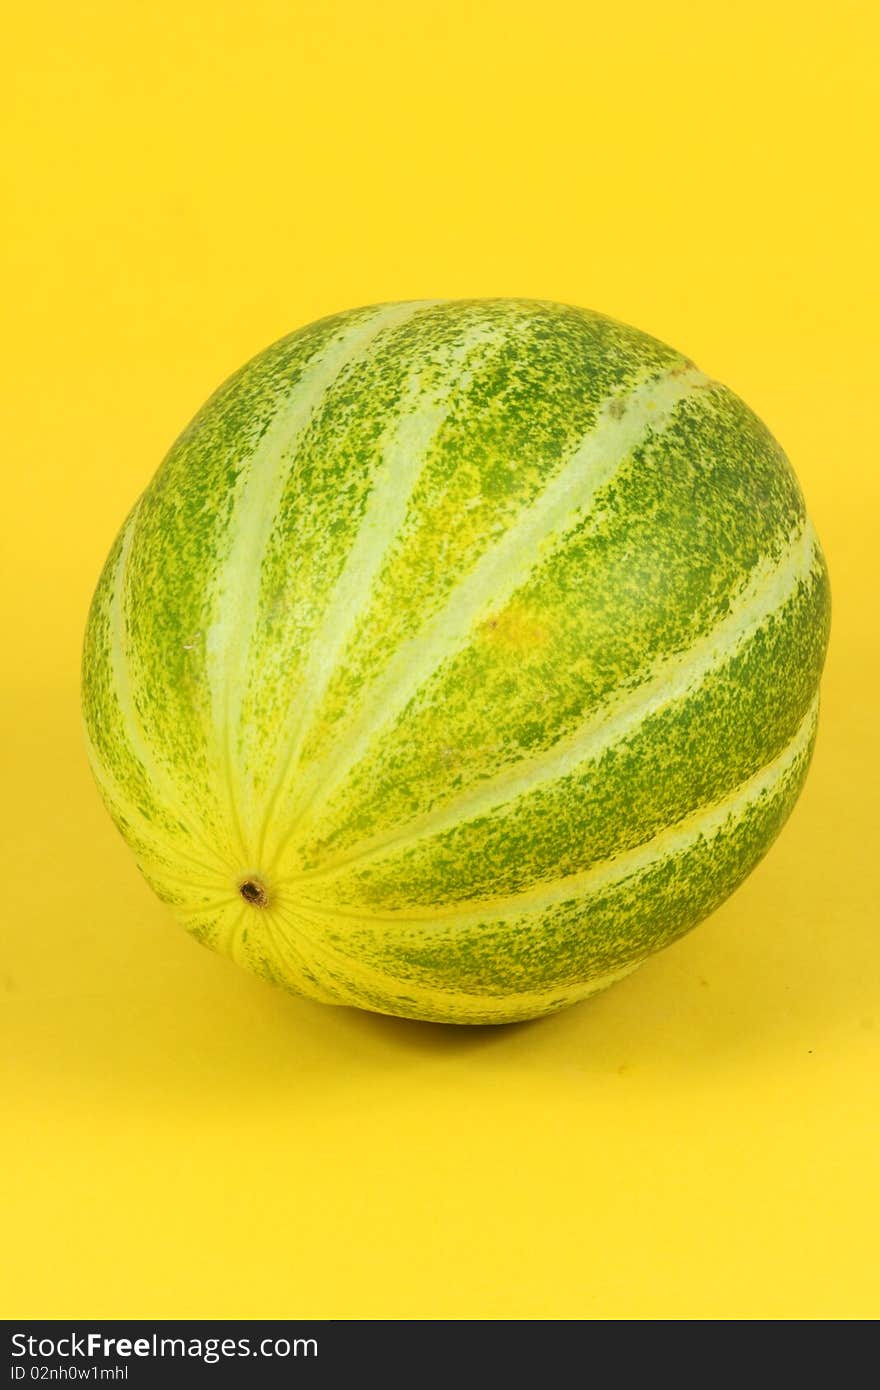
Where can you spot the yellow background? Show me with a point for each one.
(187, 182)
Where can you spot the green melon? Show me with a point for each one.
(459, 656)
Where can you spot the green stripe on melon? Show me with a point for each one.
(483, 637)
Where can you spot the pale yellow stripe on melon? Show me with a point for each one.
(317, 978)
(235, 920)
(168, 792)
(464, 1008)
(149, 846)
(237, 584)
(292, 962)
(157, 870)
(500, 571)
(769, 586)
(347, 979)
(704, 824)
(362, 986)
(404, 455)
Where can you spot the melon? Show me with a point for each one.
(459, 656)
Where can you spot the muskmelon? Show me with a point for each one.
(459, 656)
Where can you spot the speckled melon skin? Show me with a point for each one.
(459, 656)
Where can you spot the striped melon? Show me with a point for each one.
(459, 656)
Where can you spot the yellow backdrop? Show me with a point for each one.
(191, 180)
